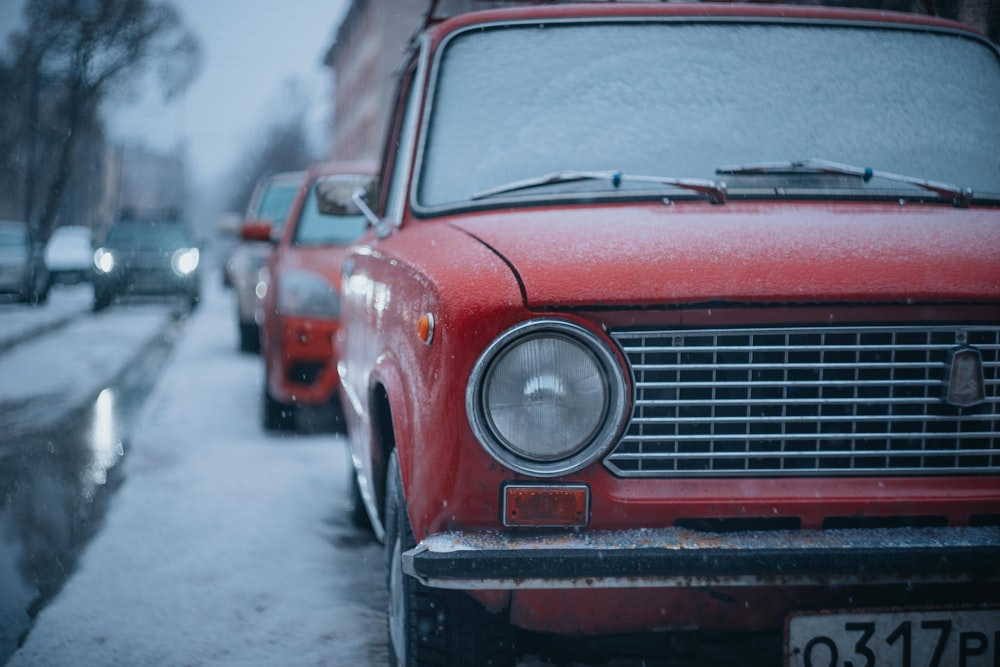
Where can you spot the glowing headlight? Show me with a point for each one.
(546, 398)
(307, 293)
(185, 261)
(104, 261)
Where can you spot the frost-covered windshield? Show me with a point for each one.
(672, 99)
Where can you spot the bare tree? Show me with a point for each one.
(70, 57)
(283, 146)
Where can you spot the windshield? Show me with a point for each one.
(275, 203)
(314, 228)
(148, 236)
(677, 100)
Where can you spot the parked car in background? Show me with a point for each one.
(301, 298)
(266, 213)
(22, 264)
(151, 254)
(69, 255)
(681, 322)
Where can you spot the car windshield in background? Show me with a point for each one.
(148, 236)
(674, 100)
(315, 228)
(275, 203)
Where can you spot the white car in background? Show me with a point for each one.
(69, 255)
(268, 208)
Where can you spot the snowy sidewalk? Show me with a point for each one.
(225, 545)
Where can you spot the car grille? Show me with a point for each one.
(805, 401)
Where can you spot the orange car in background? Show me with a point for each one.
(301, 302)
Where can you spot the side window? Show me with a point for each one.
(395, 201)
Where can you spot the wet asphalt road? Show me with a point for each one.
(57, 477)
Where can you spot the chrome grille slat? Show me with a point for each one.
(829, 455)
(795, 383)
(796, 401)
(805, 401)
(872, 435)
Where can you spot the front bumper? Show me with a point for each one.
(674, 557)
(303, 367)
(147, 282)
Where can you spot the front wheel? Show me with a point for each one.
(434, 626)
(102, 298)
(249, 337)
(276, 416)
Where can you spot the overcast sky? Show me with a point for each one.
(252, 50)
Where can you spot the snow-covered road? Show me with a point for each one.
(225, 545)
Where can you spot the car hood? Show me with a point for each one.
(742, 252)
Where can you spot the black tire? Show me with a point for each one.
(434, 626)
(275, 415)
(102, 299)
(249, 338)
(359, 515)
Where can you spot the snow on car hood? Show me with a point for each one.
(745, 252)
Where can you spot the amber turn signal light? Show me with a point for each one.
(425, 328)
(546, 505)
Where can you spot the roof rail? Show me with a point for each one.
(436, 15)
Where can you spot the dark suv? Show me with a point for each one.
(154, 255)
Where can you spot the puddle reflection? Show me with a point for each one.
(105, 441)
(55, 486)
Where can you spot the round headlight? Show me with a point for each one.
(104, 261)
(185, 261)
(546, 398)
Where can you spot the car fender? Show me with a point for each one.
(385, 414)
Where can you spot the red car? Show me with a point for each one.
(301, 302)
(681, 322)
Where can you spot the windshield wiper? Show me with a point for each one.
(716, 191)
(960, 197)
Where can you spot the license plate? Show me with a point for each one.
(905, 638)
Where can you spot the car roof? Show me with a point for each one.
(283, 177)
(693, 11)
(333, 168)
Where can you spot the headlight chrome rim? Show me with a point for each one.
(598, 439)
